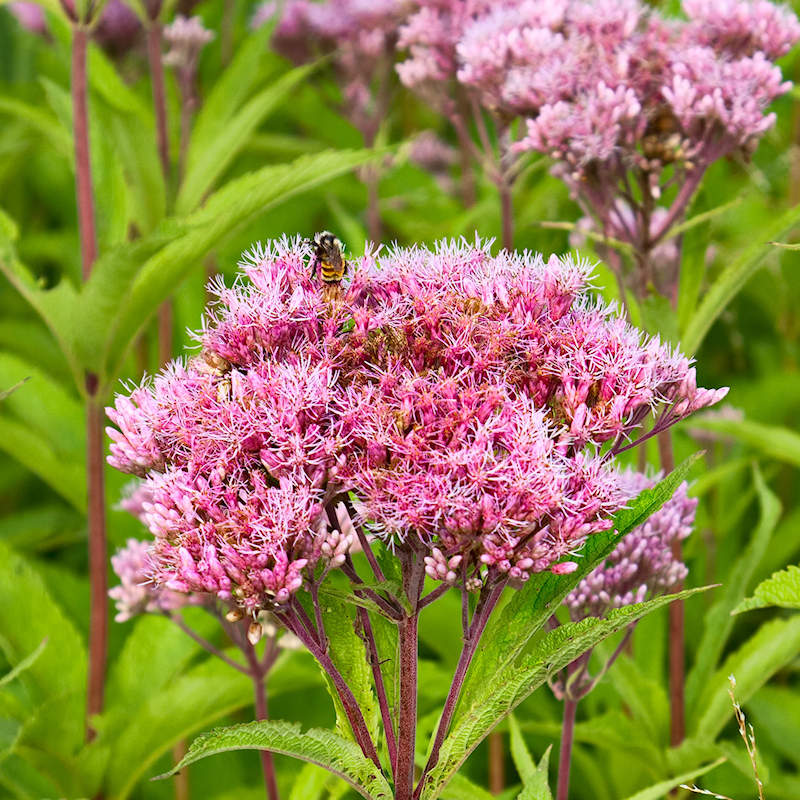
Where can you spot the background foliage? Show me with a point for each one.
(271, 155)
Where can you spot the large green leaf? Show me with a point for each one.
(782, 589)
(231, 89)
(323, 748)
(207, 160)
(733, 278)
(782, 444)
(717, 621)
(110, 282)
(518, 680)
(774, 645)
(156, 702)
(509, 632)
(226, 211)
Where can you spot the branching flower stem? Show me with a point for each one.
(486, 604)
(256, 669)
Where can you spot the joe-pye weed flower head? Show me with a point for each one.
(463, 403)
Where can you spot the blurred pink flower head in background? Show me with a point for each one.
(643, 565)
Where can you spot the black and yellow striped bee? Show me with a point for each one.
(328, 257)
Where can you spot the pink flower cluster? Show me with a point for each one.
(643, 564)
(607, 88)
(360, 33)
(462, 398)
(137, 592)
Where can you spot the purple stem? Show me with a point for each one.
(293, 622)
(506, 213)
(98, 559)
(154, 46)
(380, 687)
(679, 204)
(83, 165)
(207, 646)
(482, 613)
(407, 712)
(389, 608)
(258, 673)
(565, 753)
(434, 595)
(95, 484)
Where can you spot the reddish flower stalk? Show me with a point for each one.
(565, 752)
(83, 166)
(258, 673)
(154, 58)
(154, 46)
(98, 623)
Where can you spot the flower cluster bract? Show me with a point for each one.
(458, 400)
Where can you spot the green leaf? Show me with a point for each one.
(461, 788)
(774, 645)
(323, 748)
(105, 291)
(717, 621)
(701, 218)
(310, 783)
(349, 654)
(42, 122)
(552, 653)
(108, 84)
(510, 631)
(134, 146)
(142, 733)
(35, 453)
(733, 278)
(55, 306)
(782, 589)
(644, 698)
(782, 444)
(55, 681)
(207, 160)
(534, 777)
(226, 211)
(659, 790)
(232, 87)
(41, 426)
